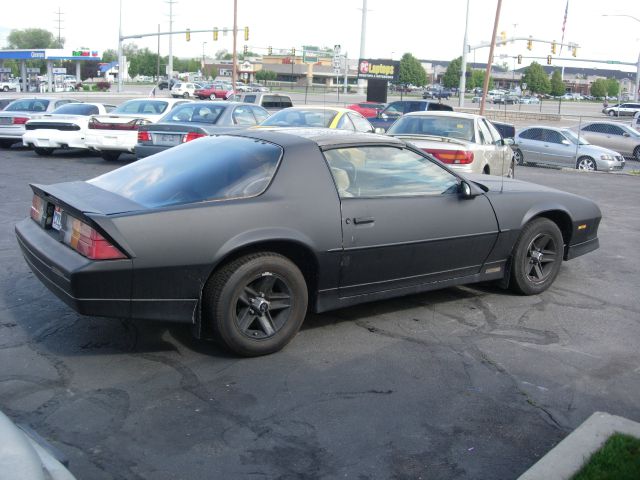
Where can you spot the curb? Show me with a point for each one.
(566, 458)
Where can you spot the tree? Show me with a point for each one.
(109, 55)
(557, 85)
(266, 75)
(476, 79)
(411, 71)
(599, 88)
(536, 78)
(31, 38)
(451, 77)
(613, 87)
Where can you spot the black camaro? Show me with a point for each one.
(240, 234)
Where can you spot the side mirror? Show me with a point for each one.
(465, 190)
(625, 134)
(379, 131)
(566, 142)
(383, 116)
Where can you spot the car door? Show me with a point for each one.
(404, 222)
(500, 154)
(597, 133)
(530, 142)
(558, 149)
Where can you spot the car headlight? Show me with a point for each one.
(606, 157)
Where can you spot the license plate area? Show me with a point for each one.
(56, 224)
(166, 139)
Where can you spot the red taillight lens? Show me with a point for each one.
(20, 120)
(144, 136)
(88, 242)
(456, 157)
(37, 208)
(192, 136)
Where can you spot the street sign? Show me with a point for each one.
(524, 86)
(310, 54)
(33, 70)
(59, 71)
(5, 70)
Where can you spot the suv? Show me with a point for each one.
(270, 101)
(162, 84)
(395, 110)
(442, 93)
(185, 89)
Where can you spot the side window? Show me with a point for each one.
(394, 109)
(533, 134)
(387, 172)
(361, 123)
(260, 113)
(485, 135)
(552, 136)
(243, 116)
(615, 130)
(249, 99)
(285, 102)
(61, 102)
(493, 130)
(593, 128)
(345, 123)
(414, 107)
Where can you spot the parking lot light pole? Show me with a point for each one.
(636, 95)
(463, 67)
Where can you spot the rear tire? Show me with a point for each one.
(6, 143)
(586, 163)
(519, 158)
(185, 95)
(212, 96)
(537, 257)
(44, 152)
(612, 113)
(110, 156)
(636, 153)
(512, 169)
(256, 304)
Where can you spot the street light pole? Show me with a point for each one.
(463, 67)
(636, 95)
(203, 64)
(120, 51)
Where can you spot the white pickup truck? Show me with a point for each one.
(6, 86)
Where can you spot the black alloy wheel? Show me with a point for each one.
(256, 303)
(537, 257)
(45, 152)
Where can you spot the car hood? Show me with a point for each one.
(596, 150)
(492, 183)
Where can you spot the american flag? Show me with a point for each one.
(564, 24)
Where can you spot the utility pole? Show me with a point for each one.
(487, 74)
(59, 22)
(170, 72)
(234, 73)
(363, 38)
(463, 67)
(120, 50)
(158, 62)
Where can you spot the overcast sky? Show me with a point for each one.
(429, 29)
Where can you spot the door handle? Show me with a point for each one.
(363, 220)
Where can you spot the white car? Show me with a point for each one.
(466, 142)
(14, 117)
(184, 89)
(117, 132)
(65, 127)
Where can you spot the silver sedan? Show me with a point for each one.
(562, 147)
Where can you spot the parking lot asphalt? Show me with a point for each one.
(463, 383)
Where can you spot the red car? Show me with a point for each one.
(367, 109)
(213, 92)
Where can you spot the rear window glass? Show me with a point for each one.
(32, 105)
(153, 107)
(193, 112)
(452, 127)
(77, 109)
(301, 117)
(218, 168)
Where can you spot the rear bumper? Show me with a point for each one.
(89, 287)
(112, 140)
(146, 150)
(54, 139)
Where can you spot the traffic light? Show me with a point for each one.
(246, 34)
(215, 34)
(529, 44)
(553, 47)
(503, 38)
(548, 59)
(293, 52)
(245, 50)
(574, 51)
(188, 35)
(270, 50)
(519, 59)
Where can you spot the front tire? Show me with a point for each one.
(612, 113)
(256, 304)
(586, 163)
(537, 257)
(110, 156)
(44, 152)
(185, 95)
(212, 96)
(512, 169)
(636, 153)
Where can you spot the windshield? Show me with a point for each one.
(219, 168)
(194, 113)
(148, 107)
(77, 109)
(631, 131)
(32, 105)
(301, 117)
(574, 138)
(451, 127)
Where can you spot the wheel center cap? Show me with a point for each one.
(537, 256)
(260, 305)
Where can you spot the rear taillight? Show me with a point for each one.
(144, 136)
(95, 124)
(37, 208)
(88, 242)
(192, 136)
(456, 157)
(20, 120)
